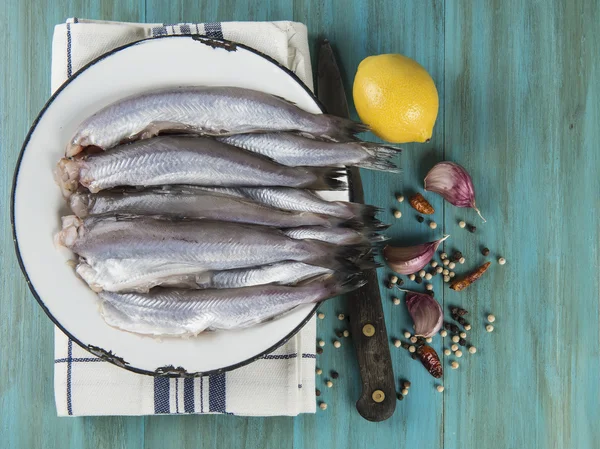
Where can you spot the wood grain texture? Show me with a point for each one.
(519, 85)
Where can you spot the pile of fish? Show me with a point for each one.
(195, 208)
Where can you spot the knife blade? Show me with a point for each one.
(369, 336)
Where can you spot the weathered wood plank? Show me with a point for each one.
(522, 115)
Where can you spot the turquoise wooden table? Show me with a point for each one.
(519, 85)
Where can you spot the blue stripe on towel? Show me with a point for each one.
(213, 29)
(161, 395)
(69, 366)
(69, 64)
(217, 393)
(78, 359)
(188, 395)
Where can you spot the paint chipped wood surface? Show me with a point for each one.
(519, 84)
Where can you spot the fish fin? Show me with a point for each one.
(328, 178)
(341, 129)
(380, 157)
(160, 127)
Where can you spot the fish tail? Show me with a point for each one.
(66, 175)
(339, 257)
(363, 217)
(340, 129)
(71, 228)
(341, 283)
(328, 178)
(380, 157)
(376, 238)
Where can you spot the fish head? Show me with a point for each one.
(80, 203)
(66, 175)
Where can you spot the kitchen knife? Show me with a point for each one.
(367, 324)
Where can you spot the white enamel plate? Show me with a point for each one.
(38, 204)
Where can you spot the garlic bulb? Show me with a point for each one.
(411, 259)
(453, 183)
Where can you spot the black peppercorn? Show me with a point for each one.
(430, 292)
(400, 282)
(485, 252)
(339, 334)
(414, 356)
(399, 396)
(471, 228)
(420, 219)
(318, 392)
(418, 279)
(452, 327)
(421, 340)
(458, 311)
(462, 342)
(319, 350)
(335, 375)
(405, 345)
(456, 256)
(389, 285)
(460, 320)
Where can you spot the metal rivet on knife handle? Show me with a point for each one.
(378, 396)
(368, 330)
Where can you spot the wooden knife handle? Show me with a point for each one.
(378, 399)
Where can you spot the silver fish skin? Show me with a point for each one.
(336, 236)
(191, 203)
(295, 150)
(307, 201)
(186, 160)
(207, 110)
(137, 253)
(283, 273)
(182, 312)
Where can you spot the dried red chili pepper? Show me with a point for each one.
(430, 360)
(463, 283)
(420, 204)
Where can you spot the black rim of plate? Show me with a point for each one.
(219, 45)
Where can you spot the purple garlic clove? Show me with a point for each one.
(410, 259)
(453, 183)
(426, 313)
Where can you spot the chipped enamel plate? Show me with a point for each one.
(37, 203)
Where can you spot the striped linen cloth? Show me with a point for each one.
(280, 383)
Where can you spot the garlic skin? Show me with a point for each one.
(426, 313)
(453, 183)
(411, 259)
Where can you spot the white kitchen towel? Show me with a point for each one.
(280, 383)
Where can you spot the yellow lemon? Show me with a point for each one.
(396, 97)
